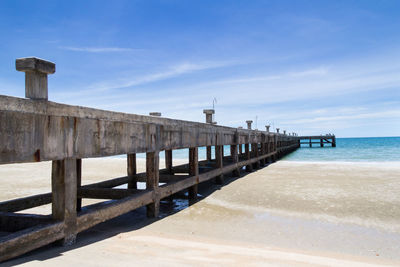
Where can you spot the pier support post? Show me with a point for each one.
(310, 142)
(168, 161)
(131, 170)
(321, 141)
(333, 141)
(263, 145)
(249, 168)
(193, 171)
(209, 157)
(254, 152)
(275, 144)
(219, 157)
(78, 183)
(64, 196)
(235, 159)
(153, 177)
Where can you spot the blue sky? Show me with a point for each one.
(306, 66)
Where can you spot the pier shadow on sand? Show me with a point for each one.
(128, 222)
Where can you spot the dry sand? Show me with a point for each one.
(286, 214)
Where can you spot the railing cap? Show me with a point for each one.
(35, 64)
(208, 111)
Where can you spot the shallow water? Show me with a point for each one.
(369, 149)
(372, 149)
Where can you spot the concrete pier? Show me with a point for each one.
(34, 129)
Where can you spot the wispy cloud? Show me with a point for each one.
(173, 71)
(97, 49)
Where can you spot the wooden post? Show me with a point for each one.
(78, 183)
(263, 145)
(254, 152)
(249, 168)
(234, 155)
(209, 153)
(64, 197)
(219, 163)
(36, 71)
(276, 147)
(193, 171)
(153, 176)
(240, 149)
(168, 161)
(333, 141)
(310, 142)
(321, 141)
(132, 170)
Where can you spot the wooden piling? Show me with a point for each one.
(64, 196)
(249, 167)
(219, 163)
(168, 161)
(193, 171)
(132, 170)
(78, 183)
(152, 174)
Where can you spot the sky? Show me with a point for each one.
(310, 67)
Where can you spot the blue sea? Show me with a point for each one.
(368, 149)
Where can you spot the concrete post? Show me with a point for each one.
(36, 71)
(249, 124)
(209, 119)
(209, 115)
(193, 171)
(267, 128)
(64, 196)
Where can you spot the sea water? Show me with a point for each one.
(368, 149)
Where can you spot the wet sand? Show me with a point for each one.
(286, 214)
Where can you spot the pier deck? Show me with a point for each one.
(34, 129)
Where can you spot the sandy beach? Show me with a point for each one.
(286, 214)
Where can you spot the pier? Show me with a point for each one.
(321, 140)
(33, 129)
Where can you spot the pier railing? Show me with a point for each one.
(35, 129)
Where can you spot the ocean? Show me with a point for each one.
(363, 149)
(368, 149)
